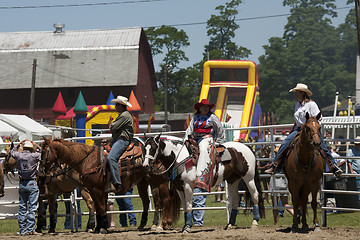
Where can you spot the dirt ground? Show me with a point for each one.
(276, 233)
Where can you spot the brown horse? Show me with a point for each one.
(61, 180)
(87, 161)
(54, 184)
(304, 170)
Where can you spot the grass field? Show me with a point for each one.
(211, 218)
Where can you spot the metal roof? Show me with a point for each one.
(91, 58)
(70, 40)
(341, 121)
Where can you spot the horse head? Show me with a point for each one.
(312, 130)
(9, 162)
(48, 157)
(151, 152)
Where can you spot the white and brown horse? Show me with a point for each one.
(239, 163)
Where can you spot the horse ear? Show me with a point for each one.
(318, 116)
(307, 116)
(12, 145)
(157, 139)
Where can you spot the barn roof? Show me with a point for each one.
(70, 40)
(91, 58)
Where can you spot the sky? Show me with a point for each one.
(253, 33)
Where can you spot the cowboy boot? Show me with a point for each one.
(333, 168)
(275, 166)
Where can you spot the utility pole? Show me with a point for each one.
(32, 93)
(165, 94)
(357, 12)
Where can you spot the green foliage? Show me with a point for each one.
(311, 51)
(221, 29)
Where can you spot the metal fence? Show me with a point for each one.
(270, 141)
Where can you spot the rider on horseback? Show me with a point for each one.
(122, 130)
(204, 127)
(303, 105)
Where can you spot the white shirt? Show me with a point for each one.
(300, 111)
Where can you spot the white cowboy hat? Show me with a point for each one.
(28, 144)
(301, 87)
(357, 140)
(121, 100)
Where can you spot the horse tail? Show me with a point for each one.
(175, 204)
(260, 193)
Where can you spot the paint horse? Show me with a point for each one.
(86, 160)
(304, 170)
(239, 163)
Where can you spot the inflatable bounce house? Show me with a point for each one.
(90, 120)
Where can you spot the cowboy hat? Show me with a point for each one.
(203, 102)
(121, 100)
(301, 87)
(28, 144)
(357, 140)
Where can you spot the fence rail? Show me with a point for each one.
(270, 142)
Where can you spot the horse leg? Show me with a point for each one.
(296, 203)
(304, 200)
(234, 203)
(90, 204)
(250, 183)
(314, 208)
(156, 196)
(187, 196)
(41, 221)
(142, 188)
(168, 213)
(51, 202)
(100, 199)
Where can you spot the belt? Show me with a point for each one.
(30, 179)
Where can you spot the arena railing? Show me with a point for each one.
(270, 141)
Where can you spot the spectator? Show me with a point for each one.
(279, 183)
(199, 201)
(219, 188)
(67, 223)
(126, 204)
(354, 164)
(262, 166)
(27, 162)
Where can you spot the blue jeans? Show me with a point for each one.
(67, 223)
(199, 201)
(286, 143)
(28, 195)
(117, 149)
(126, 204)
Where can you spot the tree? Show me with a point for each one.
(308, 52)
(221, 29)
(168, 41)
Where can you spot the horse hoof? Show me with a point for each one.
(103, 231)
(51, 230)
(254, 224)
(294, 228)
(159, 229)
(228, 226)
(305, 228)
(186, 229)
(153, 228)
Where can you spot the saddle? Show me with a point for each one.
(208, 180)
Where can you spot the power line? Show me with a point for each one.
(80, 5)
(238, 19)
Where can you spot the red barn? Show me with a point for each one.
(94, 62)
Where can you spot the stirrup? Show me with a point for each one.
(337, 171)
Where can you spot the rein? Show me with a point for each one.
(172, 164)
